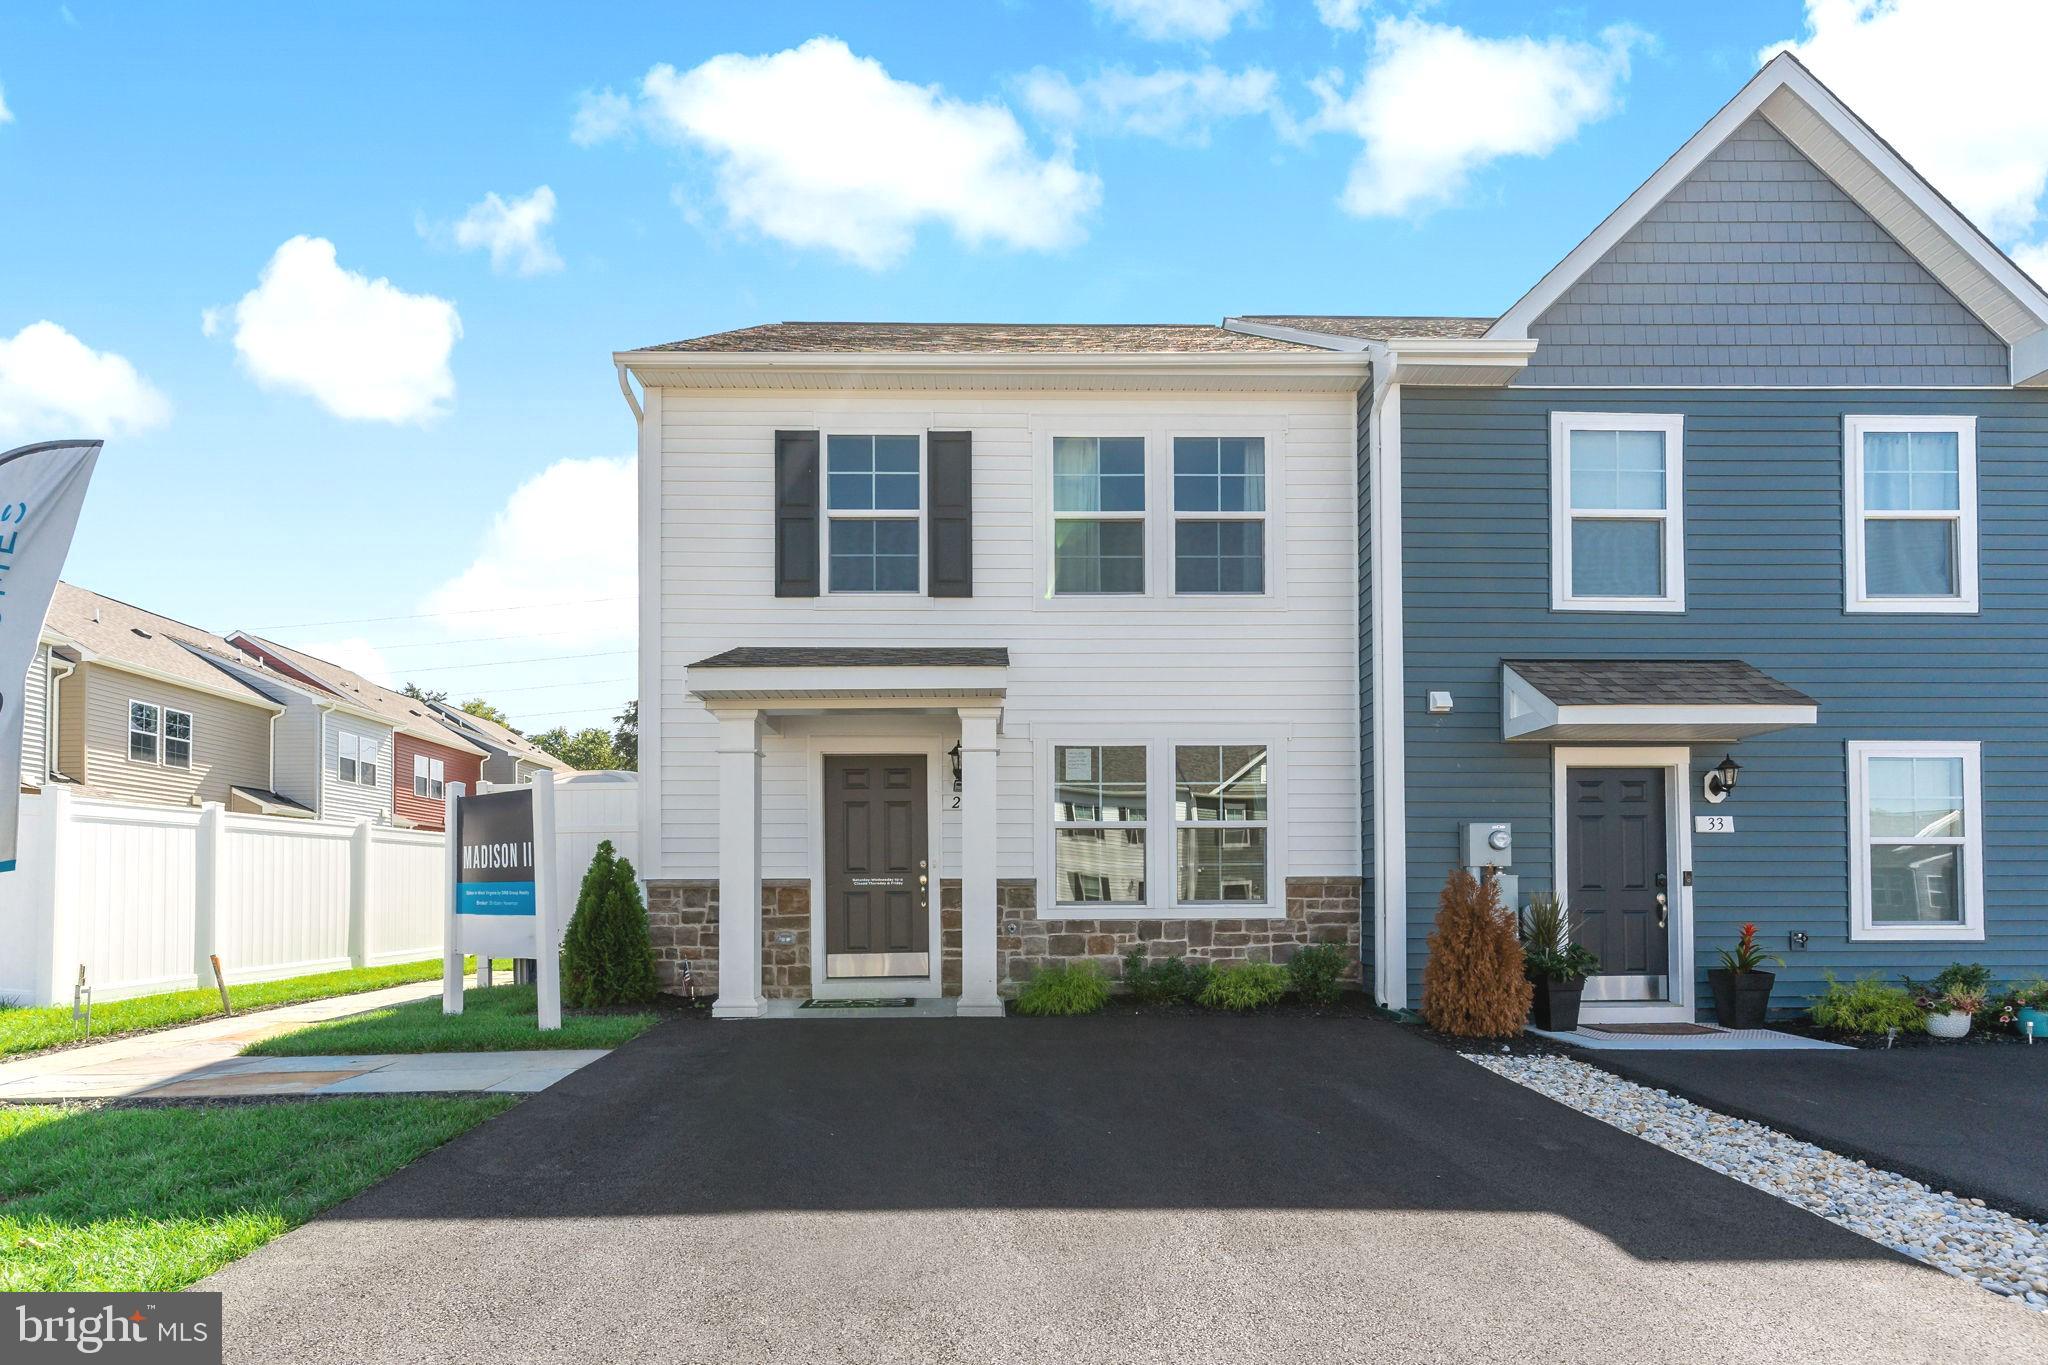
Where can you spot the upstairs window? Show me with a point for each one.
(177, 738)
(874, 504)
(1219, 524)
(429, 777)
(1910, 496)
(345, 756)
(1617, 532)
(1098, 506)
(356, 758)
(144, 729)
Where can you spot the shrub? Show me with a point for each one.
(1317, 974)
(1548, 952)
(606, 957)
(1078, 988)
(1474, 985)
(1972, 978)
(1867, 1005)
(1244, 986)
(1165, 980)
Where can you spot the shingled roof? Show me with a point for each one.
(1364, 327)
(118, 634)
(986, 338)
(1656, 682)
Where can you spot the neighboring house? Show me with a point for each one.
(970, 649)
(509, 756)
(384, 754)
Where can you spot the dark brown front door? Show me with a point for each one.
(877, 887)
(1618, 860)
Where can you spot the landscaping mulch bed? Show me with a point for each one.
(1877, 1042)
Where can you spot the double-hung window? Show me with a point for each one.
(429, 777)
(1910, 497)
(1219, 521)
(874, 502)
(1617, 525)
(1219, 817)
(1098, 815)
(177, 738)
(144, 729)
(356, 758)
(1916, 863)
(1098, 508)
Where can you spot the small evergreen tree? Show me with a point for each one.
(606, 956)
(1473, 985)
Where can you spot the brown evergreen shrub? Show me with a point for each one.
(1473, 985)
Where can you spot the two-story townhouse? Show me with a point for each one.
(509, 757)
(1716, 569)
(969, 649)
(383, 754)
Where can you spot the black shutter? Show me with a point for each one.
(796, 514)
(949, 457)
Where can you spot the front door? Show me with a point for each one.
(1618, 862)
(877, 886)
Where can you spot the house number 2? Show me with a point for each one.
(956, 801)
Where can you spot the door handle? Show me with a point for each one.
(1663, 909)
(921, 879)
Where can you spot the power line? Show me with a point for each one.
(429, 615)
(537, 659)
(544, 687)
(479, 639)
(581, 711)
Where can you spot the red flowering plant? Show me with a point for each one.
(1746, 956)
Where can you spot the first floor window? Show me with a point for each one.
(1617, 533)
(1911, 496)
(177, 738)
(1219, 816)
(1916, 840)
(144, 728)
(1098, 812)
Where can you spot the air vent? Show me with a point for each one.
(143, 633)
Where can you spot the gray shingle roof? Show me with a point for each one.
(991, 338)
(1656, 682)
(487, 732)
(857, 657)
(118, 634)
(1367, 327)
(398, 710)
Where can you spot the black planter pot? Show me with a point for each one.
(1555, 1004)
(1741, 999)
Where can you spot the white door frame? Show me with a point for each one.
(936, 771)
(1676, 761)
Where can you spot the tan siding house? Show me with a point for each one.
(203, 743)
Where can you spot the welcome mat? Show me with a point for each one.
(1655, 1030)
(900, 1002)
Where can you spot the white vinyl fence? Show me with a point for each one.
(141, 895)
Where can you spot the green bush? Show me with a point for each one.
(606, 957)
(1165, 980)
(1317, 974)
(1867, 1005)
(1075, 989)
(1972, 978)
(1244, 986)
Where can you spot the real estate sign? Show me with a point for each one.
(501, 900)
(41, 489)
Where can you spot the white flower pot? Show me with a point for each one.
(1952, 1025)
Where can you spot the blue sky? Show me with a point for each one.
(309, 450)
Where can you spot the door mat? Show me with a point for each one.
(1655, 1030)
(900, 1002)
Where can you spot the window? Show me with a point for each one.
(1219, 502)
(345, 757)
(1219, 817)
(1617, 527)
(1098, 506)
(429, 777)
(873, 502)
(1098, 815)
(177, 738)
(356, 758)
(143, 727)
(1910, 498)
(1916, 841)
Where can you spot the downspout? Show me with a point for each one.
(50, 716)
(626, 387)
(1389, 686)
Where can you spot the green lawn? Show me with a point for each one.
(34, 1029)
(95, 1199)
(500, 1019)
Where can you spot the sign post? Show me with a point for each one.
(501, 888)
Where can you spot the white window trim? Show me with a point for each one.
(1862, 928)
(1562, 425)
(437, 779)
(164, 739)
(1175, 825)
(345, 751)
(825, 588)
(156, 750)
(1100, 909)
(419, 775)
(1142, 518)
(1175, 515)
(1854, 598)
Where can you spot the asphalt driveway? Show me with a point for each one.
(1966, 1117)
(1093, 1190)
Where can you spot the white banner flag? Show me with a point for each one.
(41, 489)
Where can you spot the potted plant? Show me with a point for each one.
(2025, 1010)
(1742, 989)
(1557, 967)
(1954, 998)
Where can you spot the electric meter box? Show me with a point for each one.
(1489, 845)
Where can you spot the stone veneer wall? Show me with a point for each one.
(682, 925)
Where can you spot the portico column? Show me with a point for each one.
(978, 908)
(739, 865)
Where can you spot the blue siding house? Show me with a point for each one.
(1753, 484)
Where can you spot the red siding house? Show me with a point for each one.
(420, 769)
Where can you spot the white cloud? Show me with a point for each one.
(357, 655)
(1176, 105)
(563, 541)
(817, 147)
(53, 385)
(1436, 104)
(1348, 15)
(362, 348)
(515, 233)
(2033, 258)
(1955, 87)
(1178, 20)
(6, 114)
(600, 116)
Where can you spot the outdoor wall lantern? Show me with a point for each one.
(953, 755)
(1720, 780)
